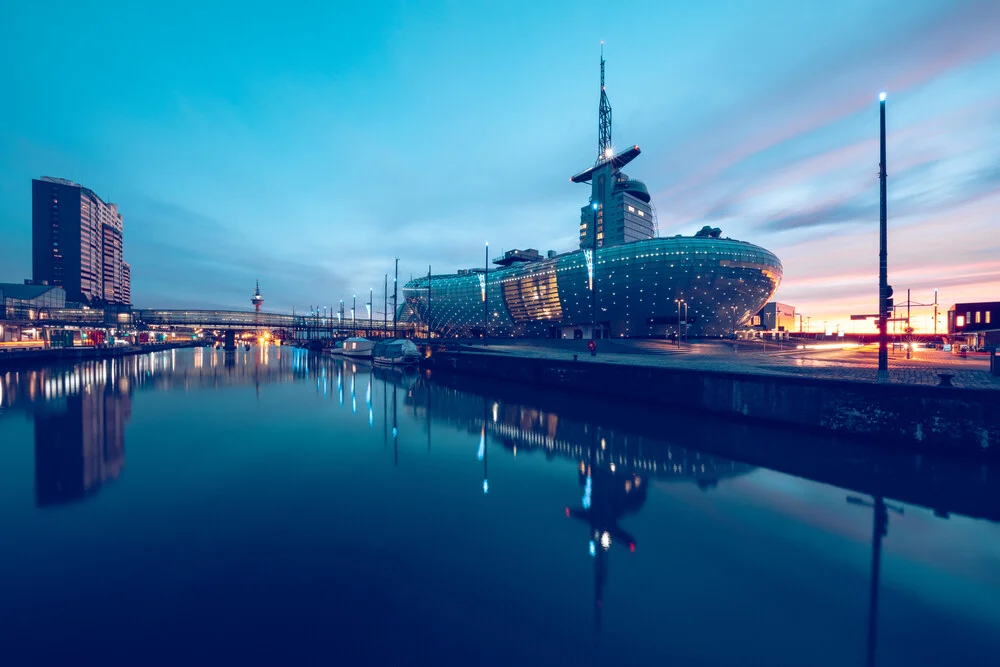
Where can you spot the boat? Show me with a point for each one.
(358, 347)
(337, 349)
(396, 352)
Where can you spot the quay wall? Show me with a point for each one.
(924, 418)
(12, 358)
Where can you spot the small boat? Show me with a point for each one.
(396, 352)
(337, 349)
(358, 347)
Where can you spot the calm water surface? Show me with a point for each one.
(194, 507)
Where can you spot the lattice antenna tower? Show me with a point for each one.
(604, 118)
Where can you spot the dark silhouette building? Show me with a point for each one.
(76, 240)
(978, 323)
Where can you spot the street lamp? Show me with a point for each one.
(883, 280)
(354, 308)
(486, 304)
(678, 302)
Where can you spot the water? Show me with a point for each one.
(192, 507)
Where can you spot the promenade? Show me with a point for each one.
(826, 389)
(854, 365)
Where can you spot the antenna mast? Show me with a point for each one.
(604, 119)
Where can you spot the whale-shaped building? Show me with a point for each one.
(623, 281)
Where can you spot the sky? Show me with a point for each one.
(309, 146)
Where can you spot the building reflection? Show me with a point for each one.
(610, 492)
(80, 411)
(80, 444)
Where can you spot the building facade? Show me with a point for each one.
(639, 289)
(978, 323)
(775, 316)
(23, 302)
(77, 242)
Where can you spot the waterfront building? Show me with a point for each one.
(77, 242)
(977, 323)
(622, 282)
(775, 316)
(22, 302)
(126, 283)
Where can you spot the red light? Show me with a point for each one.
(631, 547)
(567, 512)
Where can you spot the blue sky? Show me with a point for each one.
(308, 148)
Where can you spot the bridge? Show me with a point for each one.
(118, 317)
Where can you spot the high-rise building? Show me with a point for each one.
(126, 282)
(77, 242)
(619, 210)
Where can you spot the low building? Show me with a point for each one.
(22, 302)
(775, 316)
(977, 324)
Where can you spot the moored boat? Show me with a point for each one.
(358, 347)
(396, 352)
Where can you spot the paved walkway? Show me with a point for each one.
(851, 365)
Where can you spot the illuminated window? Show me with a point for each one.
(631, 209)
(960, 321)
(978, 316)
(641, 214)
(987, 317)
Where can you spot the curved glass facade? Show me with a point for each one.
(723, 283)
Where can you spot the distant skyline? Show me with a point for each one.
(309, 149)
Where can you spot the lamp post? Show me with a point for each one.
(428, 325)
(685, 321)
(371, 309)
(883, 281)
(395, 294)
(486, 301)
(678, 302)
(935, 311)
(354, 318)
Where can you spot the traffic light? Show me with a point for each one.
(888, 301)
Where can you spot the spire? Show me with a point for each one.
(604, 119)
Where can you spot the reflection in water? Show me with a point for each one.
(880, 530)
(80, 411)
(609, 493)
(80, 444)
(80, 415)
